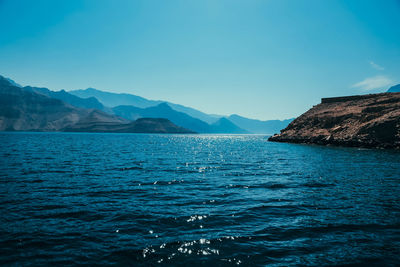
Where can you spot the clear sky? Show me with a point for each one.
(265, 59)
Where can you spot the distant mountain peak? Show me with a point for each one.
(120, 102)
(89, 103)
(8, 81)
(223, 120)
(164, 105)
(234, 115)
(91, 89)
(112, 100)
(40, 109)
(224, 125)
(132, 107)
(258, 126)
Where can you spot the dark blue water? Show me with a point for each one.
(194, 199)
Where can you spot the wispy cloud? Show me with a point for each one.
(373, 83)
(376, 66)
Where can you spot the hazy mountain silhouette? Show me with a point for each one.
(90, 102)
(394, 89)
(118, 100)
(12, 82)
(132, 107)
(164, 110)
(258, 126)
(25, 110)
(143, 125)
(209, 118)
(223, 125)
(114, 99)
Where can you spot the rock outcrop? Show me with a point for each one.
(371, 121)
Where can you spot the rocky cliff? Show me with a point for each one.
(362, 121)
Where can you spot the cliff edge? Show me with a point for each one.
(371, 121)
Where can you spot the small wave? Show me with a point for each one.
(83, 215)
(317, 184)
(130, 168)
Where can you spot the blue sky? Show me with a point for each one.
(265, 59)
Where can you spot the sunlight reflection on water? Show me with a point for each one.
(182, 199)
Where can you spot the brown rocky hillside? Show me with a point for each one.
(363, 121)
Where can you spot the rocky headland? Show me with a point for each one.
(371, 121)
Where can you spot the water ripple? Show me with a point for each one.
(144, 200)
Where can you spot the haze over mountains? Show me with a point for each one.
(22, 110)
(258, 126)
(40, 109)
(163, 110)
(25, 109)
(113, 99)
(95, 110)
(90, 102)
(128, 106)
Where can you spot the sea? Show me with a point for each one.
(195, 200)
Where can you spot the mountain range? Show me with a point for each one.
(113, 99)
(258, 126)
(127, 108)
(164, 110)
(23, 109)
(90, 102)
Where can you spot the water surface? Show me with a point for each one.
(137, 199)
